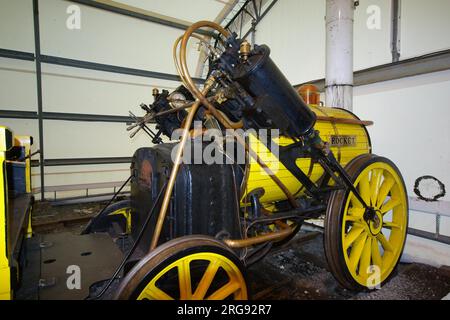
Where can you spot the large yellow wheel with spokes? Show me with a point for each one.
(186, 268)
(363, 246)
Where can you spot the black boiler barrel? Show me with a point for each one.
(260, 76)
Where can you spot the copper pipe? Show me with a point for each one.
(223, 120)
(272, 236)
(184, 69)
(187, 77)
(176, 165)
(175, 59)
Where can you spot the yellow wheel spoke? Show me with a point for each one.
(364, 188)
(228, 289)
(354, 214)
(184, 276)
(385, 243)
(376, 256)
(355, 202)
(206, 280)
(356, 251)
(229, 283)
(387, 185)
(154, 293)
(354, 233)
(391, 225)
(365, 258)
(388, 206)
(375, 182)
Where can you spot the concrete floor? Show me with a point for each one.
(295, 271)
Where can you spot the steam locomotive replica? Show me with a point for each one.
(204, 223)
(195, 226)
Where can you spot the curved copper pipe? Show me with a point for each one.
(223, 120)
(190, 83)
(175, 58)
(201, 99)
(176, 165)
(272, 236)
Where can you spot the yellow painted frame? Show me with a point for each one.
(6, 143)
(26, 142)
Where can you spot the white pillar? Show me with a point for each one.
(339, 54)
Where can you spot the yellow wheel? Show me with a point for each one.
(363, 246)
(186, 268)
(119, 212)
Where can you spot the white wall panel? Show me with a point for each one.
(16, 25)
(412, 124)
(372, 44)
(109, 38)
(17, 85)
(425, 26)
(295, 32)
(81, 91)
(69, 139)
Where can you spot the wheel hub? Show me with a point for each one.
(374, 220)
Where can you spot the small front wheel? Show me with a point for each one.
(186, 268)
(363, 246)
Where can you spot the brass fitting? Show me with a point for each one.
(245, 49)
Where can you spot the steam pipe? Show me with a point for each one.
(339, 54)
(221, 118)
(176, 165)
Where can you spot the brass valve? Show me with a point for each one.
(245, 49)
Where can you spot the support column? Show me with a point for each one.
(37, 46)
(339, 54)
(395, 29)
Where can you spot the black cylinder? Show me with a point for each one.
(284, 108)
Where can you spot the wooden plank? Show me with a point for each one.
(345, 121)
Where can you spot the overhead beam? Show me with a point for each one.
(229, 6)
(138, 13)
(429, 63)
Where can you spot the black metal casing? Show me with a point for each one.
(275, 97)
(204, 200)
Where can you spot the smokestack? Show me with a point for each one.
(339, 54)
